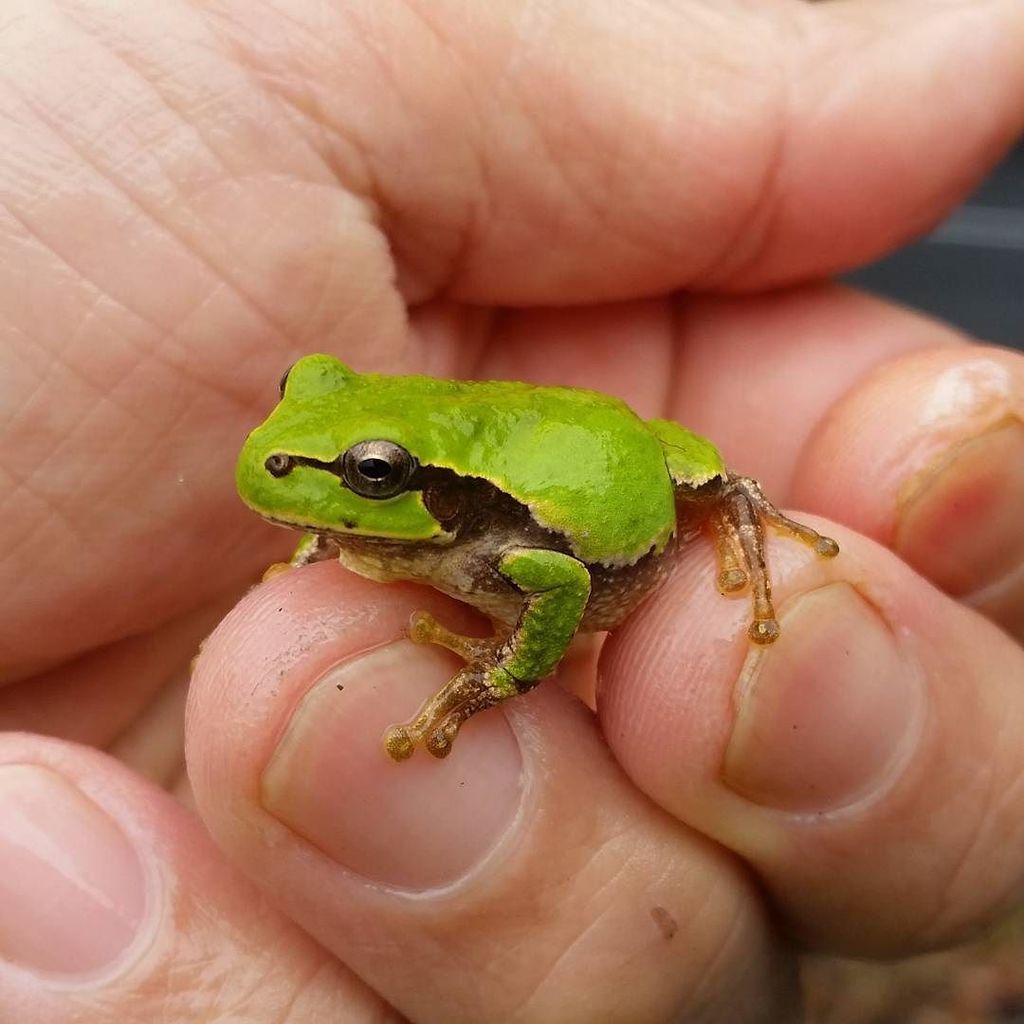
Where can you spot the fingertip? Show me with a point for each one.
(838, 757)
(808, 739)
(422, 873)
(669, 677)
(113, 892)
(402, 821)
(926, 454)
(320, 660)
(78, 914)
(835, 209)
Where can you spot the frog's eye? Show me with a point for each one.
(284, 380)
(376, 469)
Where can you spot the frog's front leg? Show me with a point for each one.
(312, 548)
(555, 588)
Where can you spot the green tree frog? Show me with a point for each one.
(551, 509)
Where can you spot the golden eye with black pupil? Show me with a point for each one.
(376, 469)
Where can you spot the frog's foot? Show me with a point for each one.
(440, 738)
(481, 684)
(312, 548)
(477, 687)
(275, 570)
(739, 539)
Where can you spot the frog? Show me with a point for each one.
(552, 510)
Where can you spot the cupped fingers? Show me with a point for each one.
(117, 906)
(521, 879)
(867, 765)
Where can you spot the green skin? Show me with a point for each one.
(550, 509)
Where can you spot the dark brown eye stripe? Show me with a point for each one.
(371, 469)
(281, 464)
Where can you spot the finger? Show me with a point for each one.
(927, 455)
(510, 165)
(99, 697)
(521, 879)
(867, 765)
(117, 907)
(192, 313)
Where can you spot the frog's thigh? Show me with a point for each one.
(556, 587)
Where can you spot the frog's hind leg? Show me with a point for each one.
(739, 535)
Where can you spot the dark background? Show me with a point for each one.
(970, 270)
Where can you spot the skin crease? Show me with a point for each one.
(196, 194)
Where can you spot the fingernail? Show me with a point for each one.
(72, 891)
(827, 716)
(960, 517)
(416, 824)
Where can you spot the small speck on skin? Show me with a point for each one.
(340, 686)
(666, 923)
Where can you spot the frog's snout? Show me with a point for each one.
(279, 464)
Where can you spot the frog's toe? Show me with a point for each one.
(826, 547)
(730, 581)
(399, 743)
(425, 629)
(764, 631)
(439, 741)
(275, 569)
(422, 627)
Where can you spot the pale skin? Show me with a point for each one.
(194, 196)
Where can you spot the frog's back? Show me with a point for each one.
(583, 462)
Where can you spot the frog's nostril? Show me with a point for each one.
(279, 464)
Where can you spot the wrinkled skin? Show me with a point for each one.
(631, 198)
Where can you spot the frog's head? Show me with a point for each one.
(334, 456)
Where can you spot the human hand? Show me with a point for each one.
(195, 195)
